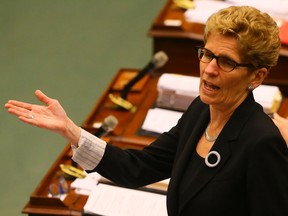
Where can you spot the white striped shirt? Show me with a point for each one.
(89, 152)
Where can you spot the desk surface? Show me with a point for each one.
(125, 135)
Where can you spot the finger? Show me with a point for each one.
(18, 111)
(42, 97)
(20, 104)
(28, 120)
(24, 115)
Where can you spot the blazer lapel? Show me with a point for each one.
(183, 158)
(222, 145)
(206, 174)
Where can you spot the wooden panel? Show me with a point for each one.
(126, 133)
(40, 203)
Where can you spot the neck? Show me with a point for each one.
(208, 137)
(216, 124)
(218, 118)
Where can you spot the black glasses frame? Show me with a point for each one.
(201, 51)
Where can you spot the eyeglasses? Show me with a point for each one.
(224, 63)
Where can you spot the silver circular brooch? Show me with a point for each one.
(218, 159)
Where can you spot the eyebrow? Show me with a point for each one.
(223, 56)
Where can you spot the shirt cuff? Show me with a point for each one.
(89, 152)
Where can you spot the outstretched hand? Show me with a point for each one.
(50, 116)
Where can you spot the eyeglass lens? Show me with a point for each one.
(224, 63)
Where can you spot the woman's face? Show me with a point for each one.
(225, 90)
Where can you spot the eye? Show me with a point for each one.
(208, 54)
(225, 62)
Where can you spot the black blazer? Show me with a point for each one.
(251, 178)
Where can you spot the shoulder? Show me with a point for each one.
(197, 105)
(196, 110)
(261, 129)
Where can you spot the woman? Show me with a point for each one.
(225, 156)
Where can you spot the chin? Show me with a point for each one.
(205, 99)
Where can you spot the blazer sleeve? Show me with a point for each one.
(135, 168)
(267, 177)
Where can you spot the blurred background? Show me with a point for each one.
(70, 49)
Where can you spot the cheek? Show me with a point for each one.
(235, 87)
(201, 69)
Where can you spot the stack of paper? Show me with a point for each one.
(205, 8)
(277, 9)
(160, 120)
(111, 200)
(86, 185)
(269, 97)
(177, 91)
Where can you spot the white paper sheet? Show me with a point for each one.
(160, 120)
(181, 84)
(204, 8)
(111, 200)
(86, 185)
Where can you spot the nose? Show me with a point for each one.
(212, 67)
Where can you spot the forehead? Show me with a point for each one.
(224, 45)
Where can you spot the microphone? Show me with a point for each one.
(158, 60)
(108, 125)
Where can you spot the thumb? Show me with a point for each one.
(42, 97)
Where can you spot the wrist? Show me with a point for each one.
(72, 133)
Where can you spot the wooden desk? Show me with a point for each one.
(125, 135)
(41, 204)
(179, 42)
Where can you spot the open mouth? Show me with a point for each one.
(210, 86)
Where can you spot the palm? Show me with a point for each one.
(50, 116)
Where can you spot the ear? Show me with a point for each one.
(258, 77)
